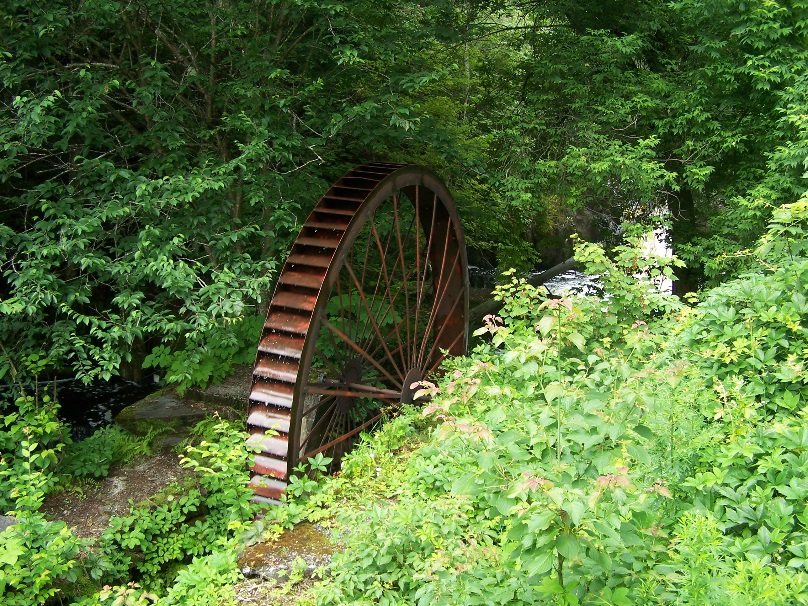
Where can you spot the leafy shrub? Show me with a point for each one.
(106, 447)
(130, 594)
(207, 581)
(699, 571)
(184, 523)
(36, 558)
(209, 352)
(31, 439)
(537, 482)
(753, 328)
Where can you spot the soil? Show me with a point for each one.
(87, 507)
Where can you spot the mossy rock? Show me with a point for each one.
(166, 407)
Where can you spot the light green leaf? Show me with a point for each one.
(554, 390)
(568, 545)
(576, 511)
(539, 564)
(545, 325)
(578, 340)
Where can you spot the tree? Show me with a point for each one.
(613, 112)
(737, 127)
(157, 159)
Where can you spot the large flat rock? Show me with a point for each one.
(304, 549)
(233, 391)
(182, 412)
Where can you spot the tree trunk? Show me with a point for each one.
(683, 230)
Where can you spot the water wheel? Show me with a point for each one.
(375, 290)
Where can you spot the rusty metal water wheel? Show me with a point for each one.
(374, 291)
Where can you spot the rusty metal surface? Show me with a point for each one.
(375, 286)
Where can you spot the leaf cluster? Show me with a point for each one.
(593, 451)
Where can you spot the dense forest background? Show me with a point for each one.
(633, 447)
(158, 157)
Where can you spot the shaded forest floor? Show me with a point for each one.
(275, 573)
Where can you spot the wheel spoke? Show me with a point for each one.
(350, 434)
(420, 297)
(318, 404)
(326, 414)
(361, 328)
(403, 275)
(418, 277)
(325, 360)
(342, 323)
(441, 290)
(376, 328)
(386, 276)
(357, 393)
(396, 325)
(341, 335)
(329, 387)
(440, 334)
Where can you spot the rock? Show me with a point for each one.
(167, 406)
(233, 391)
(6, 522)
(301, 550)
(184, 411)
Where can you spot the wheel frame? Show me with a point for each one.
(270, 479)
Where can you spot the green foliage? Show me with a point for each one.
(37, 559)
(753, 329)
(209, 355)
(700, 572)
(194, 524)
(152, 183)
(592, 452)
(206, 581)
(31, 439)
(108, 446)
(186, 522)
(121, 595)
(538, 482)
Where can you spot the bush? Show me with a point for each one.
(106, 447)
(188, 521)
(31, 439)
(37, 558)
(622, 449)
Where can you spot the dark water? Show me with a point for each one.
(89, 407)
(86, 408)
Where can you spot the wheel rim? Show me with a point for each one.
(374, 291)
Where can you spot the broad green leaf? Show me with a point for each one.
(644, 432)
(554, 390)
(578, 340)
(539, 563)
(568, 545)
(576, 511)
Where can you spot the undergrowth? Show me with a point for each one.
(616, 449)
(621, 449)
(178, 547)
